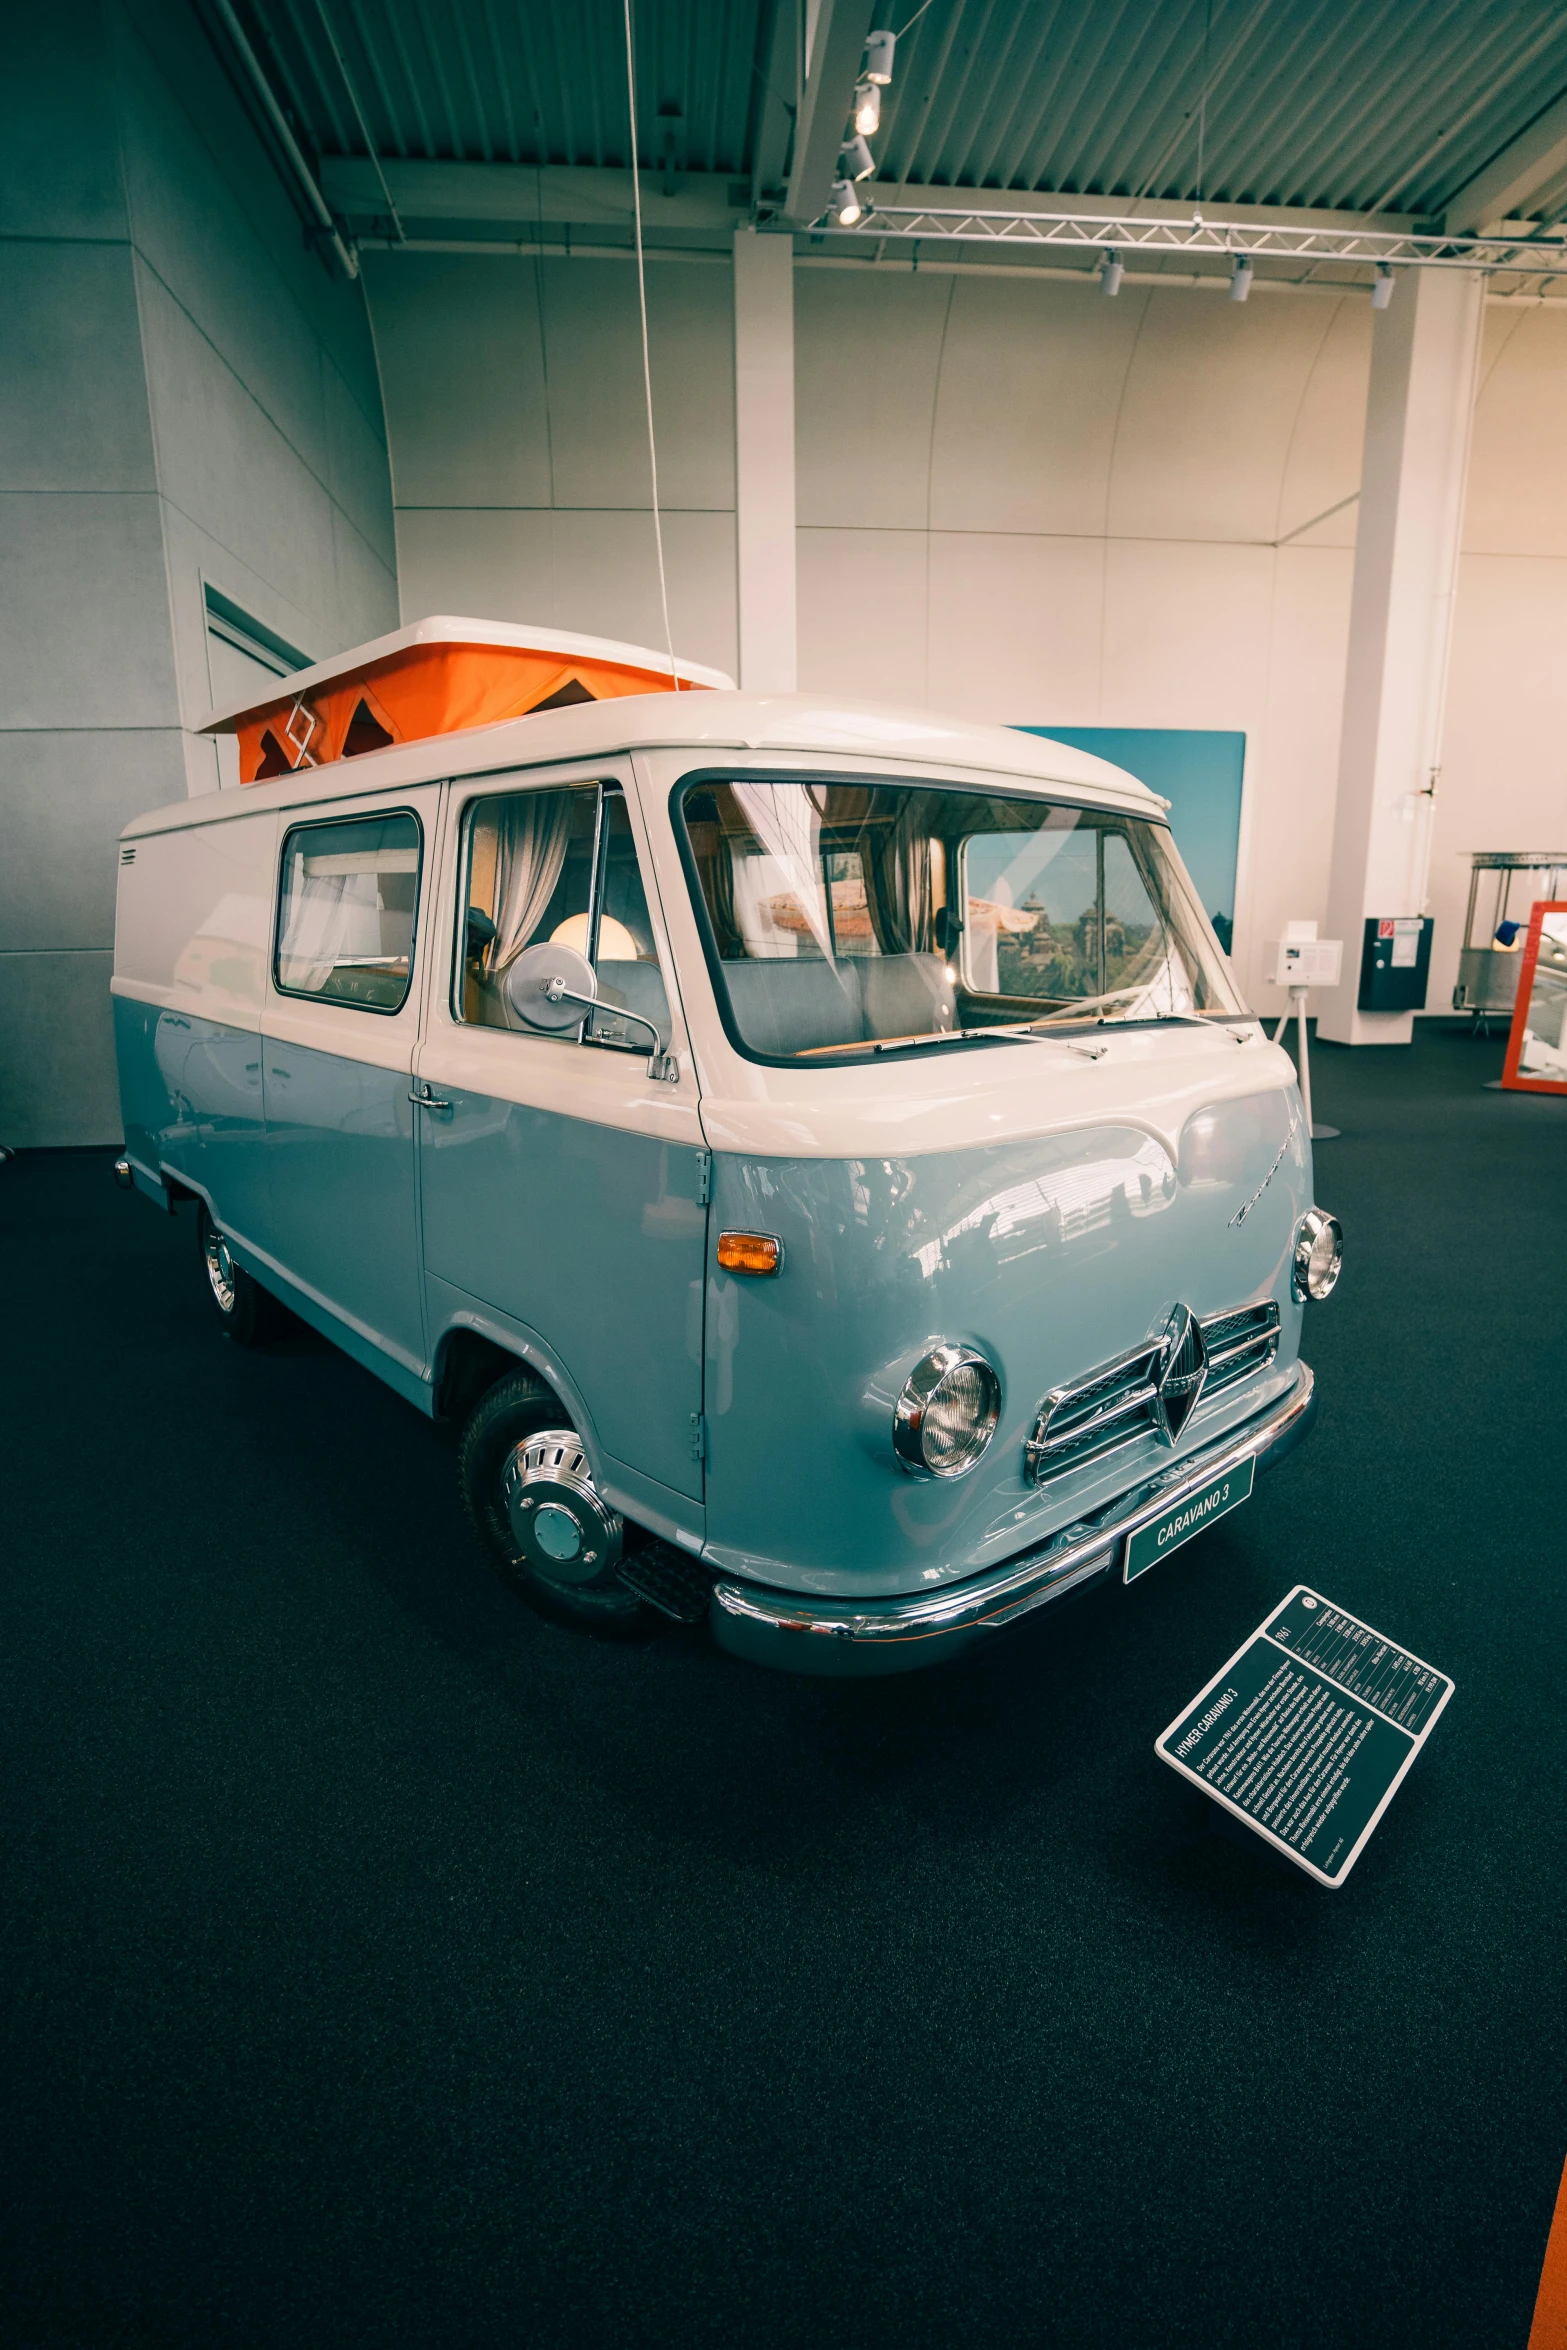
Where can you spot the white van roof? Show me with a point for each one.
(748, 729)
(442, 628)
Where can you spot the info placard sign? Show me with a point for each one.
(1307, 1731)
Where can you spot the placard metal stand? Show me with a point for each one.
(1302, 961)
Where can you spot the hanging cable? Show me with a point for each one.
(647, 364)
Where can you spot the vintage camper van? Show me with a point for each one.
(816, 1153)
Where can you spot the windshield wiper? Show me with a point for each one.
(1055, 1027)
(910, 1044)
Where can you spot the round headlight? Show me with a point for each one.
(947, 1412)
(1319, 1254)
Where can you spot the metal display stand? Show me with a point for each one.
(1300, 962)
(1297, 1009)
(1488, 971)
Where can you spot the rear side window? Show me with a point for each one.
(350, 893)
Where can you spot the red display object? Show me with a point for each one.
(1531, 1051)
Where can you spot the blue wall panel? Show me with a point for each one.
(1199, 772)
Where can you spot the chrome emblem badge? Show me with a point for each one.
(1178, 1381)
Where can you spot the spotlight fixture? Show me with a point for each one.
(1110, 273)
(845, 205)
(1240, 278)
(867, 108)
(1382, 287)
(855, 160)
(878, 57)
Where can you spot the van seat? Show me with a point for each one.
(907, 995)
(787, 1005)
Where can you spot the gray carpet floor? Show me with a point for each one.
(382, 1964)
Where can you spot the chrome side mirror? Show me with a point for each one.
(551, 986)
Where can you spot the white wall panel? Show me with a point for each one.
(515, 403)
(1518, 457)
(84, 620)
(598, 410)
(357, 476)
(1322, 466)
(1015, 627)
(1185, 633)
(1205, 423)
(866, 355)
(1032, 379)
(512, 382)
(605, 564)
(863, 614)
(64, 798)
(462, 366)
(224, 463)
(593, 571)
(73, 412)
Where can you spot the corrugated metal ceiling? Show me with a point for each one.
(487, 82)
(1362, 105)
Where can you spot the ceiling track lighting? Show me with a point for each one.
(844, 203)
(1111, 273)
(1382, 287)
(1240, 278)
(867, 108)
(855, 160)
(879, 49)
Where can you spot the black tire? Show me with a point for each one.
(517, 1407)
(250, 1314)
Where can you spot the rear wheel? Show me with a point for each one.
(249, 1313)
(531, 1501)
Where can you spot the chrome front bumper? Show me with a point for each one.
(806, 1634)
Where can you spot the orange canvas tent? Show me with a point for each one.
(438, 677)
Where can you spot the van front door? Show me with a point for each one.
(562, 1188)
(339, 1029)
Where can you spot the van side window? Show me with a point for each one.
(560, 866)
(350, 894)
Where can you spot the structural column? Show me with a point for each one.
(764, 460)
(1424, 358)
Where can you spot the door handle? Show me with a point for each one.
(428, 1101)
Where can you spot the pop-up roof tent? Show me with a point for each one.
(437, 677)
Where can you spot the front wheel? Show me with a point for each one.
(249, 1313)
(532, 1503)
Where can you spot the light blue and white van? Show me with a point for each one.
(816, 1152)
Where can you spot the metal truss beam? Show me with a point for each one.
(1196, 238)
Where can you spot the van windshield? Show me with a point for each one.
(848, 920)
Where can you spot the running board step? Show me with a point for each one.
(671, 1580)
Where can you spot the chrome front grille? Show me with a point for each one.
(1120, 1401)
(1240, 1343)
(1112, 1406)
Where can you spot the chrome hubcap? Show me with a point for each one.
(559, 1523)
(220, 1268)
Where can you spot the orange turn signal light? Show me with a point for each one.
(749, 1252)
